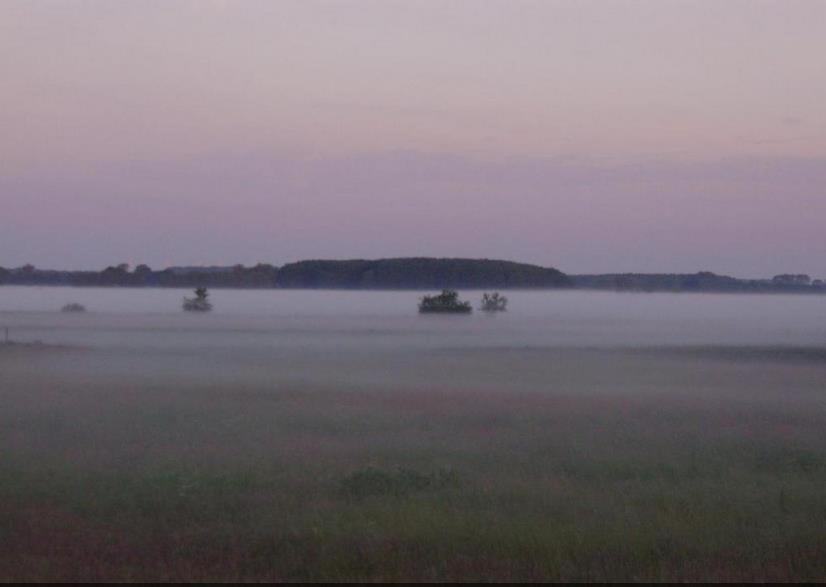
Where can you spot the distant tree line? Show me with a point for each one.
(413, 273)
(704, 281)
(403, 273)
(238, 276)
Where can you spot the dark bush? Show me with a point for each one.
(445, 302)
(493, 302)
(199, 303)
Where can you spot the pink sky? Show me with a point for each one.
(592, 136)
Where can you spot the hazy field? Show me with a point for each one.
(343, 437)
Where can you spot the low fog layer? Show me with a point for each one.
(287, 430)
(378, 338)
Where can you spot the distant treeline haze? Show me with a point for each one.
(403, 273)
(412, 273)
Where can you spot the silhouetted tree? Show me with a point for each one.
(199, 303)
(445, 302)
(493, 302)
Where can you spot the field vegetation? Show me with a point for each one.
(662, 464)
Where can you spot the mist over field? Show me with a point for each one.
(322, 435)
(639, 395)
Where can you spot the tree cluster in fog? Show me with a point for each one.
(445, 302)
(200, 303)
(494, 302)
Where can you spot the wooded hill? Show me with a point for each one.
(418, 273)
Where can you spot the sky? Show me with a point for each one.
(591, 136)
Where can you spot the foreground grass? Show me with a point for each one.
(104, 478)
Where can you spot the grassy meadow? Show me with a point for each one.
(695, 463)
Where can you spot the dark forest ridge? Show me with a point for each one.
(403, 273)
